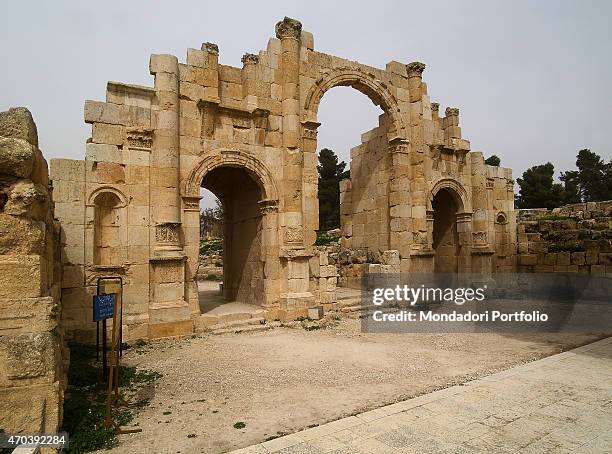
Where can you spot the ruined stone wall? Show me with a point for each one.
(33, 357)
(572, 238)
(364, 197)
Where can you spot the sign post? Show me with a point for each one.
(105, 306)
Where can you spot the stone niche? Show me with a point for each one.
(33, 357)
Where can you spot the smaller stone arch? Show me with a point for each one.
(231, 158)
(456, 190)
(91, 200)
(501, 218)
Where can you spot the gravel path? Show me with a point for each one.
(284, 380)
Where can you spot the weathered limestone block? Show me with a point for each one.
(27, 199)
(17, 122)
(13, 269)
(17, 157)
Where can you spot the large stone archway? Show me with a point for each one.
(155, 145)
(247, 202)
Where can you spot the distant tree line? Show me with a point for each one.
(590, 182)
(211, 221)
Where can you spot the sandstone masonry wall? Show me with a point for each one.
(572, 238)
(33, 357)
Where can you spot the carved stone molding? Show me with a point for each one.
(479, 238)
(167, 233)
(419, 237)
(139, 138)
(288, 28)
(294, 234)
(415, 69)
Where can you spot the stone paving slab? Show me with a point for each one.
(559, 404)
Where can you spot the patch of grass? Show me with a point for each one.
(324, 238)
(85, 403)
(570, 246)
(219, 264)
(208, 246)
(553, 217)
(213, 277)
(240, 425)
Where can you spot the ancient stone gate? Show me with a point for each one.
(249, 134)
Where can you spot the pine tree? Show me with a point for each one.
(330, 173)
(493, 160)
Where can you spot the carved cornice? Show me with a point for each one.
(250, 59)
(139, 138)
(211, 48)
(288, 28)
(415, 69)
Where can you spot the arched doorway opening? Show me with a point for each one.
(445, 236)
(240, 254)
(349, 144)
(364, 197)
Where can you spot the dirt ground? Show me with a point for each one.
(286, 379)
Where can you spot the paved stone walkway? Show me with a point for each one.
(559, 404)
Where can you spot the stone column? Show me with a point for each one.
(481, 251)
(288, 31)
(169, 312)
(421, 254)
(165, 192)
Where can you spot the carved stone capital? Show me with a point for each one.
(268, 206)
(399, 145)
(310, 129)
(250, 59)
(288, 28)
(211, 48)
(415, 69)
(452, 112)
(435, 107)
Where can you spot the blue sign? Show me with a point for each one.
(103, 307)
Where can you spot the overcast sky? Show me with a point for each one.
(532, 80)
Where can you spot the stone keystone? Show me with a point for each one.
(288, 28)
(415, 69)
